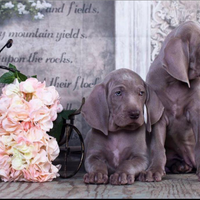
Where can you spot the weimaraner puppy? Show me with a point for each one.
(174, 76)
(116, 149)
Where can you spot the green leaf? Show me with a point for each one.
(12, 66)
(21, 76)
(58, 128)
(18, 75)
(7, 77)
(34, 76)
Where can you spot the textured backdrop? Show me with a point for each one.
(78, 42)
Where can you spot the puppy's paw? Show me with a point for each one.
(121, 179)
(198, 174)
(180, 167)
(151, 175)
(95, 178)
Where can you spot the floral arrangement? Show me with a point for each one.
(25, 7)
(27, 111)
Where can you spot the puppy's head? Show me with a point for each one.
(118, 103)
(180, 52)
(126, 95)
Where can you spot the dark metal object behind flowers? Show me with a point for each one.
(8, 45)
(68, 130)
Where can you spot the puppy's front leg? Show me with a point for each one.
(194, 118)
(156, 169)
(128, 170)
(96, 168)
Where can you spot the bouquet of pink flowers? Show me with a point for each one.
(27, 111)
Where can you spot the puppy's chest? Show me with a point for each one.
(116, 157)
(118, 149)
(175, 102)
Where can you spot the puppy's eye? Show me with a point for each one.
(118, 93)
(141, 93)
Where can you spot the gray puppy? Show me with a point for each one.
(174, 76)
(116, 149)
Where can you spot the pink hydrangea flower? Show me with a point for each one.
(27, 112)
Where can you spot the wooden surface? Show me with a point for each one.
(173, 186)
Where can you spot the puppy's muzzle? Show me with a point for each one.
(134, 114)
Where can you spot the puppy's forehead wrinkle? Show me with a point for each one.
(121, 75)
(126, 81)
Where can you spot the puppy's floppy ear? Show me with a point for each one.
(175, 59)
(154, 107)
(95, 110)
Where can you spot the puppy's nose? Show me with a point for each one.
(134, 114)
